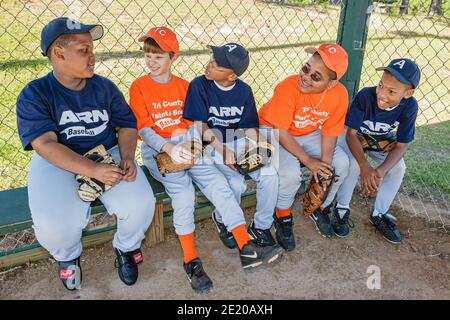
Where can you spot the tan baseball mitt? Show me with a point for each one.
(167, 165)
(315, 195)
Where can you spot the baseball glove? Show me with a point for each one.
(315, 195)
(167, 165)
(90, 188)
(381, 143)
(256, 155)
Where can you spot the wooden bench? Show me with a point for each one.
(15, 216)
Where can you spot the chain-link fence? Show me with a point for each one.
(275, 32)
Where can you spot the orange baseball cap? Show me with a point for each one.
(333, 55)
(164, 37)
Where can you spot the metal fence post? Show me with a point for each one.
(352, 35)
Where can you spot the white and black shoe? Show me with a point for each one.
(225, 236)
(284, 233)
(322, 222)
(384, 223)
(197, 277)
(262, 236)
(70, 274)
(253, 255)
(341, 222)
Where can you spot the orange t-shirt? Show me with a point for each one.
(159, 105)
(302, 113)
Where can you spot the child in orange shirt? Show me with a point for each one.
(157, 100)
(308, 110)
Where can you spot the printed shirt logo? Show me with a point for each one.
(167, 118)
(87, 117)
(314, 118)
(219, 113)
(377, 128)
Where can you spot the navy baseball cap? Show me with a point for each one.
(64, 25)
(405, 70)
(232, 56)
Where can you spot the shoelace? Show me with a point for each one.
(385, 224)
(125, 258)
(197, 270)
(345, 220)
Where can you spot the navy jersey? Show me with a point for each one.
(365, 116)
(81, 119)
(224, 110)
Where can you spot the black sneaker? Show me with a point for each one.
(197, 276)
(321, 220)
(283, 232)
(253, 255)
(261, 236)
(70, 274)
(384, 224)
(225, 236)
(127, 263)
(340, 222)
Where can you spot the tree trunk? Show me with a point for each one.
(404, 7)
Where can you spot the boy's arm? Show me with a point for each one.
(48, 147)
(317, 167)
(127, 140)
(370, 181)
(392, 159)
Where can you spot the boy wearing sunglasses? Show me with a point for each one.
(308, 112)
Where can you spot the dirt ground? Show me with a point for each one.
(318, 268)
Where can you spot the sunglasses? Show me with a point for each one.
(314, 76)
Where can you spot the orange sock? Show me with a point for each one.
(188, 246)
(241, 235)
(282, 213)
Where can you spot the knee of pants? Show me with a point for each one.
(238, 184)
(398, 170)
(353, 167)
(52, 236)
(136, 206)
(342, 167)
(183, 200)
(291, 178)
(269, 180)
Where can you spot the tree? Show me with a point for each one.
(435, 8)
(404, 7)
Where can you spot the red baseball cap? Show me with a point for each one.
(164, 37)
(333, 55)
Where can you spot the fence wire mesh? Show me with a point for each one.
(418, 30)
(275, 32)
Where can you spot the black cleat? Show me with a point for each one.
(225, 236)
(340, 222)
(70, 274)
(261, 236)
(384, 224)
(127, 263)
(198, 278)
(284, 233)
(253, 255)
(322, 222)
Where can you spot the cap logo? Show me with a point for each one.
(231, 47)
(73, 24)
(401, 63)
(162, 32)
(332, 50)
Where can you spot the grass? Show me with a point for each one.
(274, 34)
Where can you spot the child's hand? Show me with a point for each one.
(319, 168)
(178, 153)
(108, 174)
(370, 181)
(129, 167)
(229, 158)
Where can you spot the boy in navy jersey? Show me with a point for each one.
(378, 111)
(223, 108)
(61, 116)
